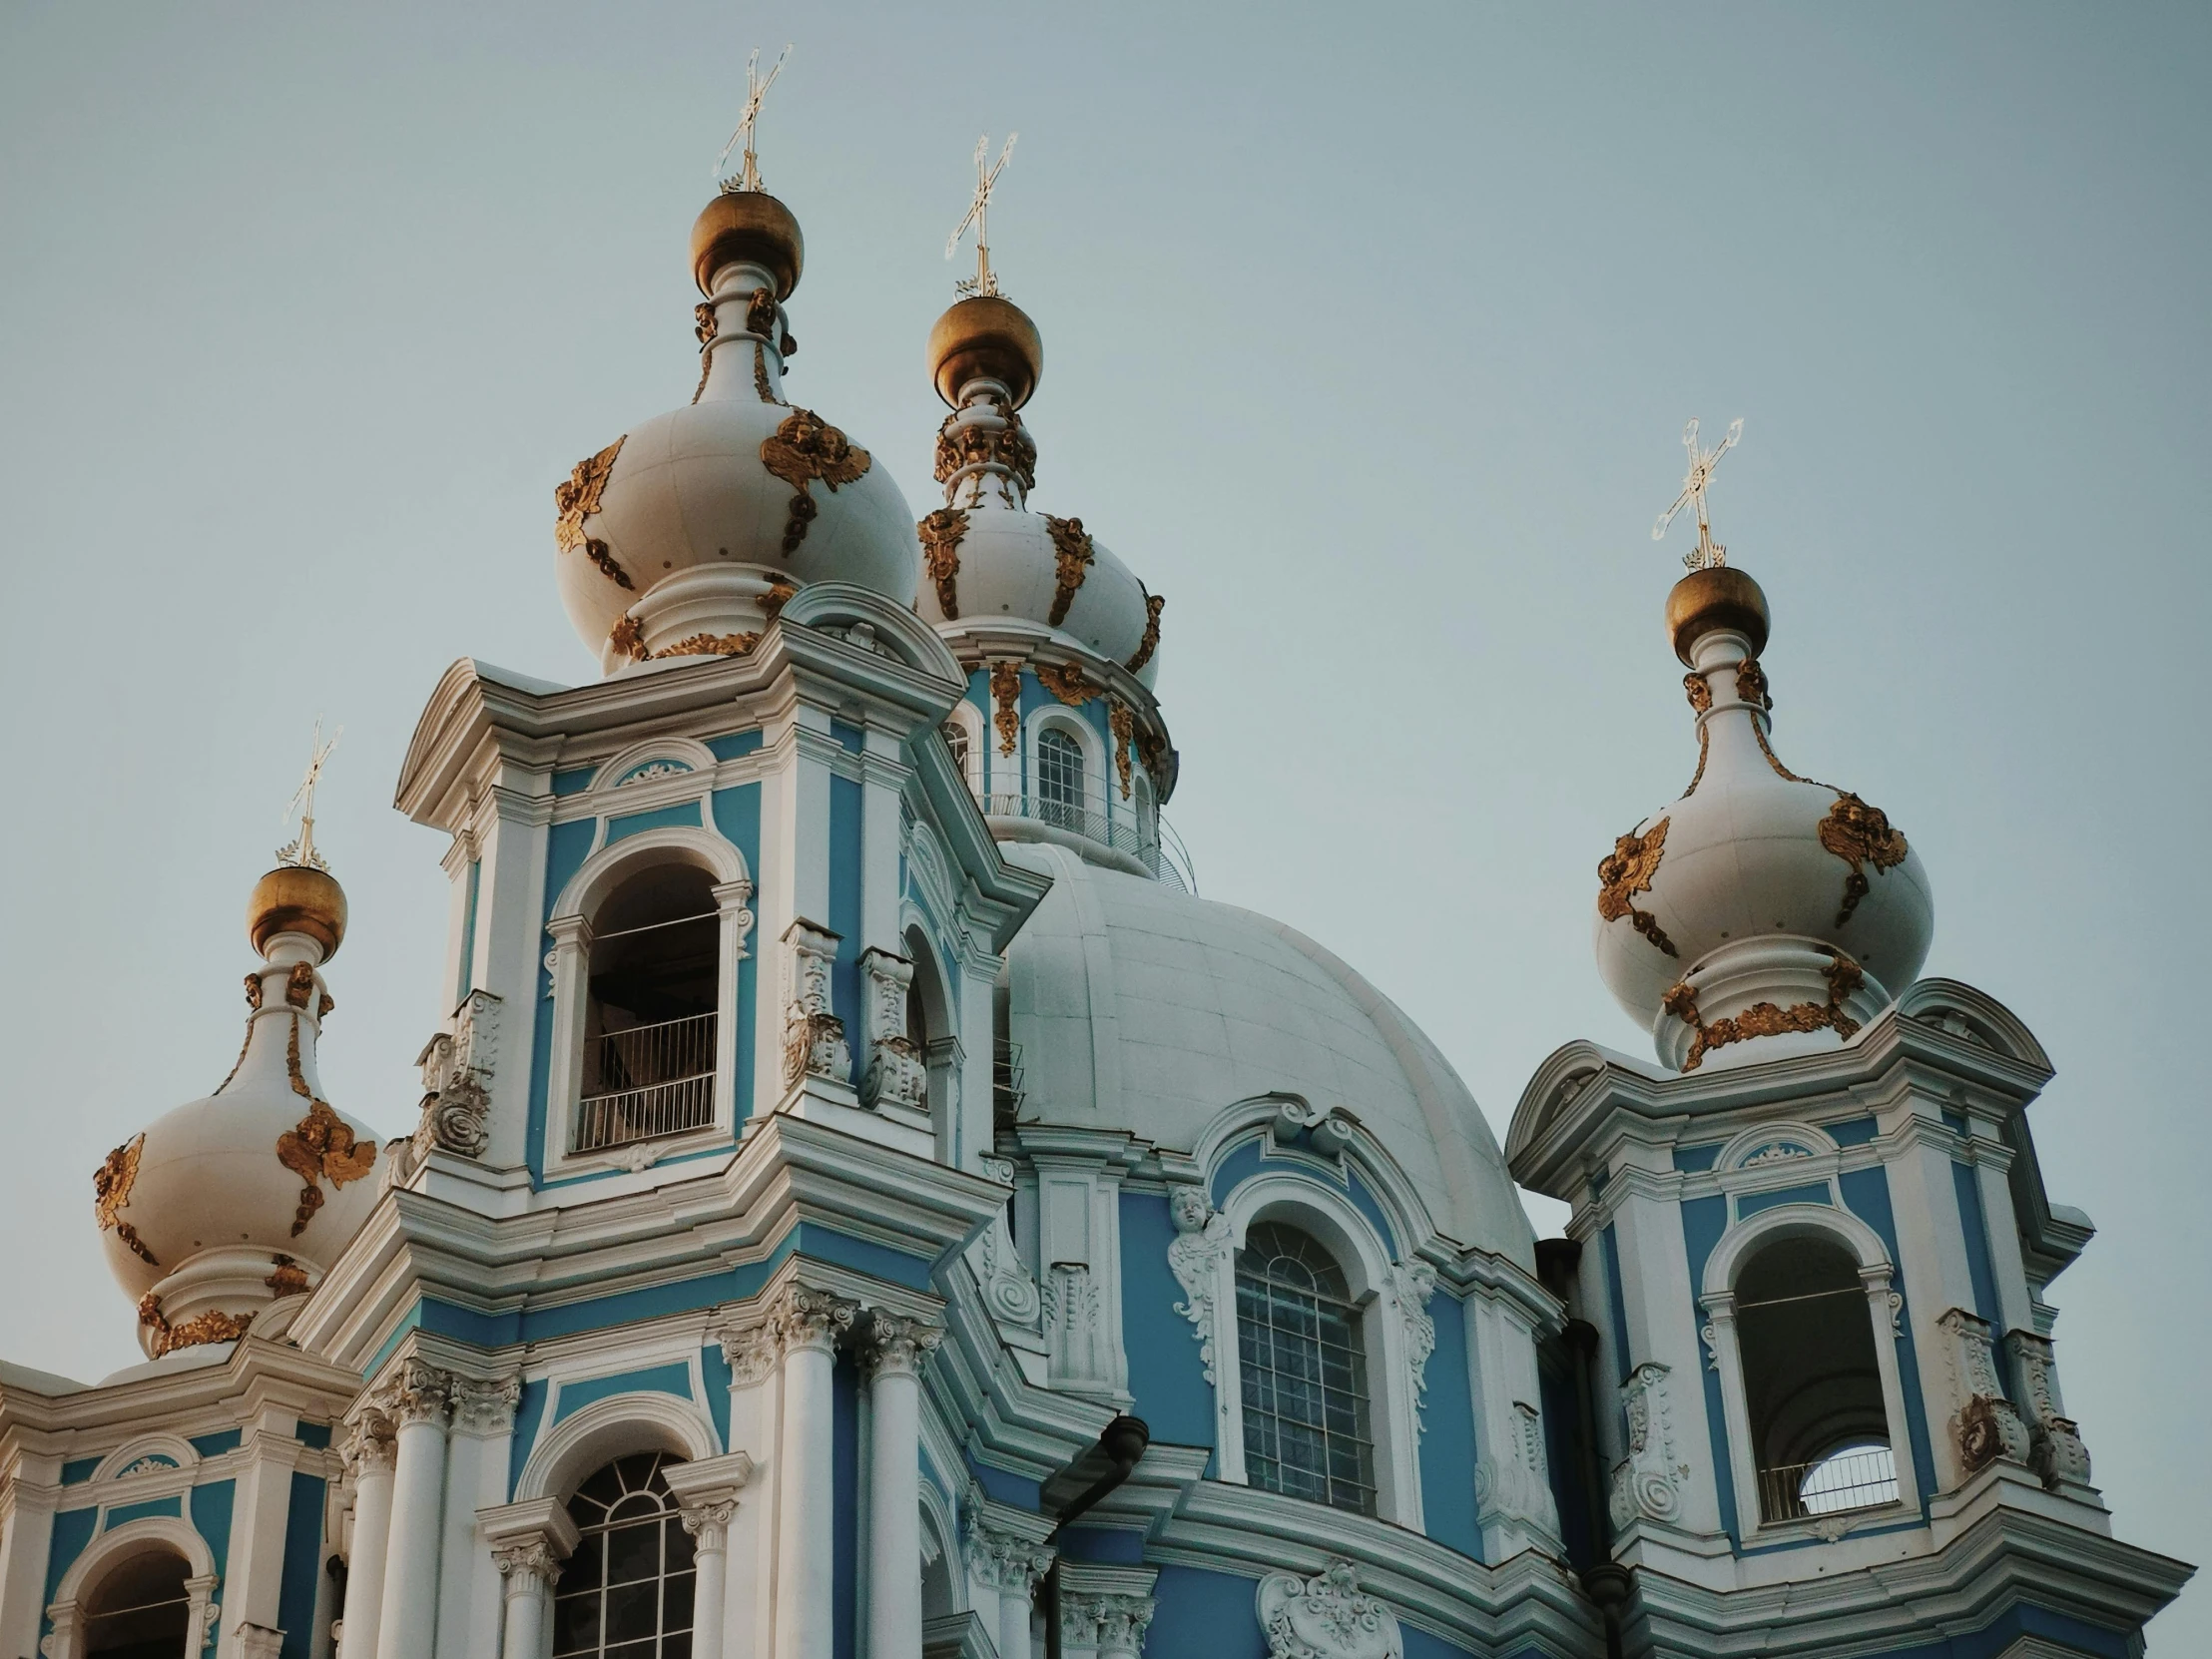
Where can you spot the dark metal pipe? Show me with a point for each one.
(1123, 1441)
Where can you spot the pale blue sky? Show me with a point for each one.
(1370, 335)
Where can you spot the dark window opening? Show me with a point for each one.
(649, 1019)
(141, 1610)
(626, 1592)
(1305, 1428)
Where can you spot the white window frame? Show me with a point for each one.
(1348, 1237)
(1743, 1241)
(969, 720)
(1054, 718)
(608, 868)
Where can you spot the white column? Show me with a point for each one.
(27, 1505)
(531, 1572)
(896, 1350)
(733, 922)
(1882, 1314)
(469, 1591)
(417, 1401)
(708, 1526)
(263, 1506)
(1018, 1573)
(369, 1459)
(808, 1323)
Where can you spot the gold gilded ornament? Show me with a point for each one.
(1065, 681)
(778, 595)
(253, 990)
(1006, 692)
(1699, 691)
(288, 1278)
(940, 553)
(1751, 684)
(966, 444)
(1071, 548)
(1764, 1019)
(211, 1326)
(1124, 725)
(711, 645)
(111, 1190)
(1704, 751)
(1626, 871)
(760, 314)
(1859, 834)
(578, 498)
(321, 1147)
(805, 447)
(626, 638)
(1154, 604)
(299, 984)
(1152, 750)
(706, 326)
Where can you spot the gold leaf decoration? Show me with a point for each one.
(578, 498)
(288, 1278)
(211, 1326)
(1704, 752)
(321, 1147)
(253, 990)
(299, 984)
(1764, 1019)
(705, 324)
(628, 639)
(778, 595)
(1065, 681)
(1006, 692)
(1628, 870)
(711, 645)
(805, 447)
(940, 553)
(111, 1190)
(1072, 555)
(1154, 604)
(1859, 834)
(964, 444)
(1751, 684)
(1124, 725)
(1699, 691)
(1152, 748)
(760, 314)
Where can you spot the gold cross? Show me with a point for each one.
(301, 850)
(1708, 553)
(749, 177)
(985, 279)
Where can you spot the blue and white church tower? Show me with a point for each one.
(866, 1205)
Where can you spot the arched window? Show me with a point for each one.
(956, 740)
(649, 1019)
(1820, 1435)
(626, 1592)
(1059, 779)
(1305, 1418)
(139, 1610)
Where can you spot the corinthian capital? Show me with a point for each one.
(751, 1351)
(803, 1316)
(897, 1346)
(527, 1562)
(369, 1447)
(487, 1408)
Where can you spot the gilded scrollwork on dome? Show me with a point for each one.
(940, 552)
(628, 639)
(110, 1191)
(1767, 1019)
(1628, 870)
(1751, 684)
(299, 984)
(1698, 690)
(1065, 681)
(1001, 442)
(1859, 834)
(253, 990)
(578, 498)
(1154, 604)
(286, 1277)
(321, 1147)
(804, 448)
(1072, 559)
(213, 1326)
(778, 595)
(1006, 692)
(1123, 723)
(711, 645)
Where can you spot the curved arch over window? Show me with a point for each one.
(650, 1009)
(1306, 1428)
(1813, 1390)
(1060, 791)
(626, 1590)
(141, 1607)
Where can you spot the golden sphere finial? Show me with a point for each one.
(296, 899)
(752, 225)
(985, 337)
(1720, 596)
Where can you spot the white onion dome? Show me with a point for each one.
(1763, 913)
(685, 536)
(244, 1199)
(986, 556)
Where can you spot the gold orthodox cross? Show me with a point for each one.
(1708, 553)
(749, 177)
(301, 851)
(985, 279)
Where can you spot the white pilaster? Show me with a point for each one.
(706, 1490)
(894, 1355)
(253, 1574)
(27, 1504)
(808, 1323)
(418, 1400)
(369, 1456)
(470, 1589)
(510, 895)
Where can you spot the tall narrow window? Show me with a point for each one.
(955, 738)
(141, 1608)
(626, 1592)
(649, 1023)
(1820, 1433)
(1306, 1426)
(1059, 779)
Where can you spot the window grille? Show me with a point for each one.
(1060, 779)
(626, 1592)
(1305, 1417)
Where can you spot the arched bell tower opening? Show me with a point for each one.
(141, 1610)
(649, 1010)
(1819, 1432)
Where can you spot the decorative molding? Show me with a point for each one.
(1202, 1244)
(708, 1521)
(528, 1561)
(1647, 1484)
(813, 1036)
(802, 449)
(1628, 870)
(1000, 1560)
(1984, 1425)
(802, 1316)
(1006, 692)
(988, 437)
(113, 1180)
(751, 1352)
(940, 534)
(1412, 1284)
(577, 499)
(1073, 1305)
(1765, 1020)
(319, 1146)
(1065, 681)
(1859, 834)
(213, 1326)
(1154, 604)
(1122, 722)
(895, 1075)
(486, 1408)
(1115, 1625)
(1009, 1289)
(897, 1345)
(418, 1393)
(1072, 558)
(457, 1072)
(370, 1447)
(1327, 1616)
(2055, 1451)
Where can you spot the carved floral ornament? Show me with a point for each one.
(577, 499)
(1154, 604)
(110, 1191)
(1327, 1616)
(1859, 834)
(1123, 723)
(213, 1326)
(1006, 692)
(319, 1146)
(804, 448)
(1765, 1020)
(1072, 557)
(940, 534)
(993, 441)
(1065, 681)
(1628, 870)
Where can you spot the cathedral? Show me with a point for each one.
(866, 1205)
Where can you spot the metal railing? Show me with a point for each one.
(1865, 1477)
(1007, 1092)
(1161, 851)
(646, 1081)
